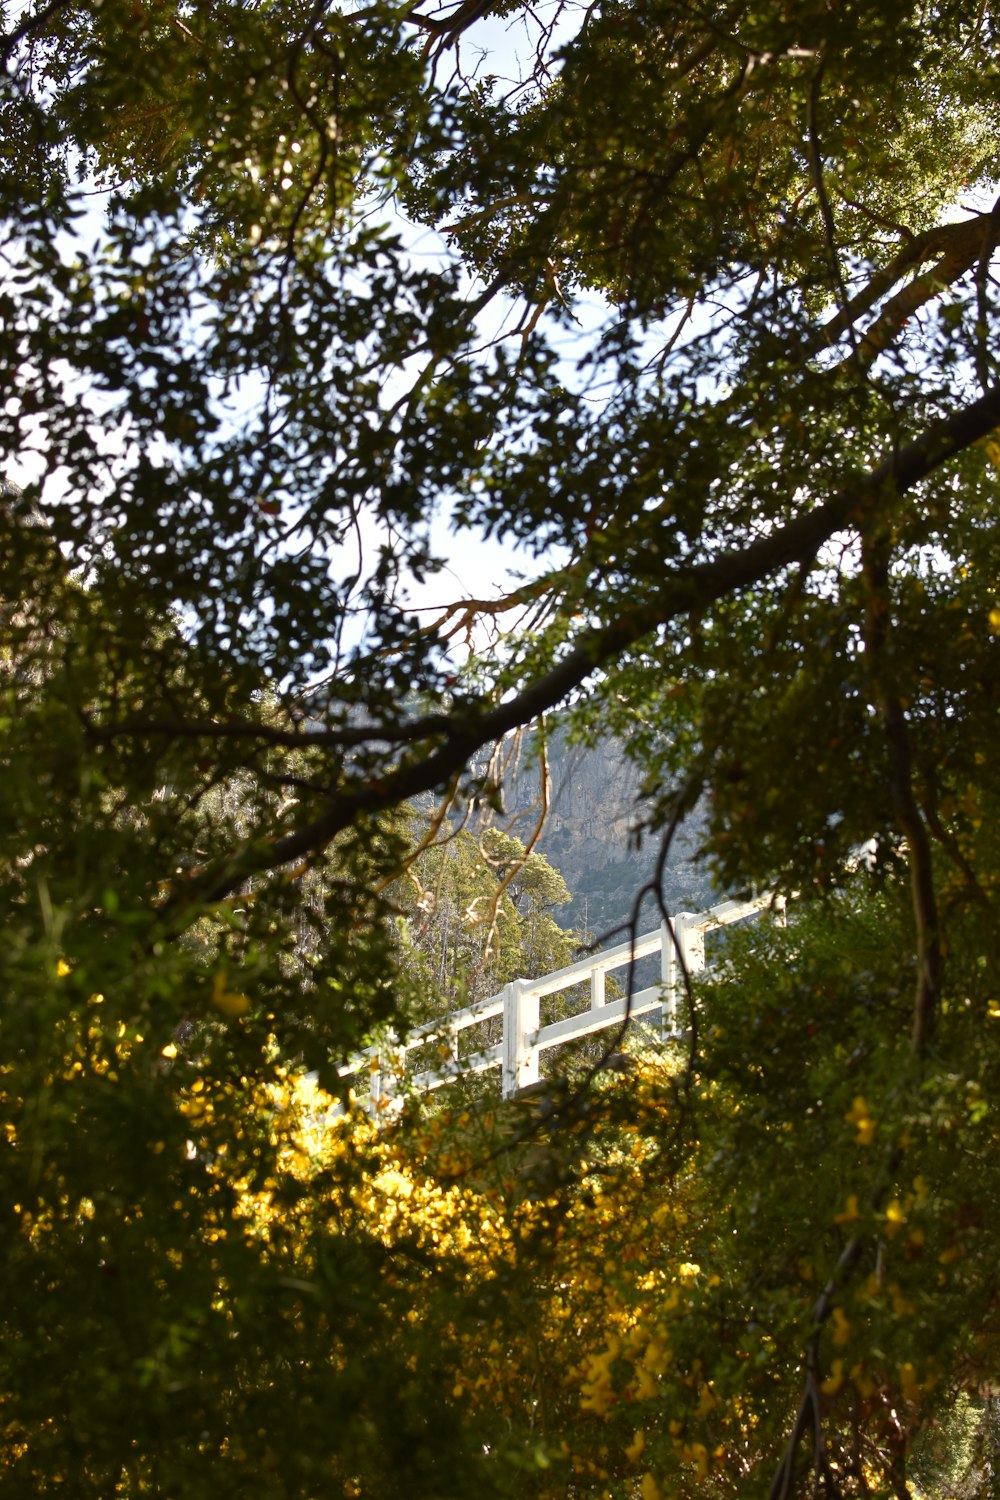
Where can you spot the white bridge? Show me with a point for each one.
(680, 945)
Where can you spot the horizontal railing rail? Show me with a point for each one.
(680, 944)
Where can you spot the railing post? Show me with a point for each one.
(375, 1085)
(387, 1075)
(693, 946)
(670, 978)
(686, 934)
(397, 1068)
(520, 1022)
(598, 993)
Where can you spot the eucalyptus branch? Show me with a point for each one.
(955, 248)
(430, 838)
(965, 245)
(518, 864)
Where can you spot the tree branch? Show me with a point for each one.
(816, 166)
(956, 247)
(875, 560)
(343, 737)
(696, 587)
(30, 24)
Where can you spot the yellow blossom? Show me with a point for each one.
(635, 1447)
(706, 1400)
(831, 1385)
(894, 1217)
(841, 1327)
(908, 1381)
(656, 1358)
(226, 1001)
(901, 1306)
(850, 1214)
(597, 1392)
(649, 1489)
(696, 1454)
(859, 1115)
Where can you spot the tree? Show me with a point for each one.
(759, 493)
(477, 914)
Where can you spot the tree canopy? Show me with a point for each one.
(696, 306)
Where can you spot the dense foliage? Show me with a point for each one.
(478, 913)
(699, 309)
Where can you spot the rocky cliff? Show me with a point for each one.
(590, 834)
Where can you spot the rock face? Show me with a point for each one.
(589, 835)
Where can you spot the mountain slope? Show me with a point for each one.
(589, 834)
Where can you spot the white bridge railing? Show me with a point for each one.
(680, 945)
